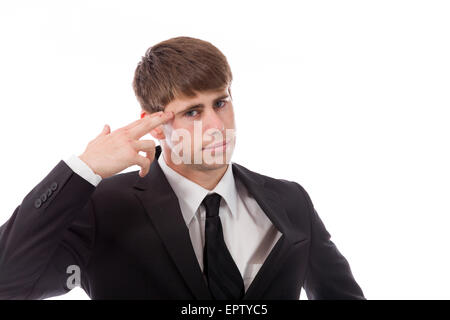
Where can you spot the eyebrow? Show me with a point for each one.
(201, 105)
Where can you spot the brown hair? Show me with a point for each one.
(176, 68)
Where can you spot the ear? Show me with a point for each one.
(229, 92)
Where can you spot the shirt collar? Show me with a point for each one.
(190, 194)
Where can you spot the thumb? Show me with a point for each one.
(106, 130)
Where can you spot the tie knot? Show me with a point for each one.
(212, 204)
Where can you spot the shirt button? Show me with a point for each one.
(49, 192)
(43, 197)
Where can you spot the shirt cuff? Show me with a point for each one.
(83, 170)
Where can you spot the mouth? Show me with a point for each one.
(219, 145)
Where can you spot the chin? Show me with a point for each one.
(208, 167)
(211, 161)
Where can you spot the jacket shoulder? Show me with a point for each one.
(259, 177)
(278, 185)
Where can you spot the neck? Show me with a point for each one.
(207, 178)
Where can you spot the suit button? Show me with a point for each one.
(53, 186)
(43, 197)
(37, 203)
(49, 192)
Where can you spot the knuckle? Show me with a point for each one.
(123, 132)
(150, 148)
(127, 140)
(133, 144)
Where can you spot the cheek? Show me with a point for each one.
(229, 118)
(188, 135)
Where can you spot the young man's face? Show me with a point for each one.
(199, 124)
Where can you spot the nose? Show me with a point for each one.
(212, 120)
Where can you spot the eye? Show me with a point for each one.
(193, 113)
(224, 102)
(190, 113)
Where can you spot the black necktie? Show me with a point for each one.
(224, 279)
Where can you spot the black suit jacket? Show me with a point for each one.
(129, 240)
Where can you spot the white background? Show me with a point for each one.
(348, 98)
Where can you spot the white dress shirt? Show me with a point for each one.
(83, 170)
(248, 232)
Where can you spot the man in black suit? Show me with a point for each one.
(189, 225)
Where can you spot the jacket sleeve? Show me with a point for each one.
(48, 238)
(328, 276)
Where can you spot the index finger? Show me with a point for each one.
(136, 122)
(148, 123)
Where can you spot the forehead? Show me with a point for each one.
(200, 97)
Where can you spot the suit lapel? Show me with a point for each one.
(162, 207)
(275, 211)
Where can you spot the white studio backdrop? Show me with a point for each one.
(348, 98)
